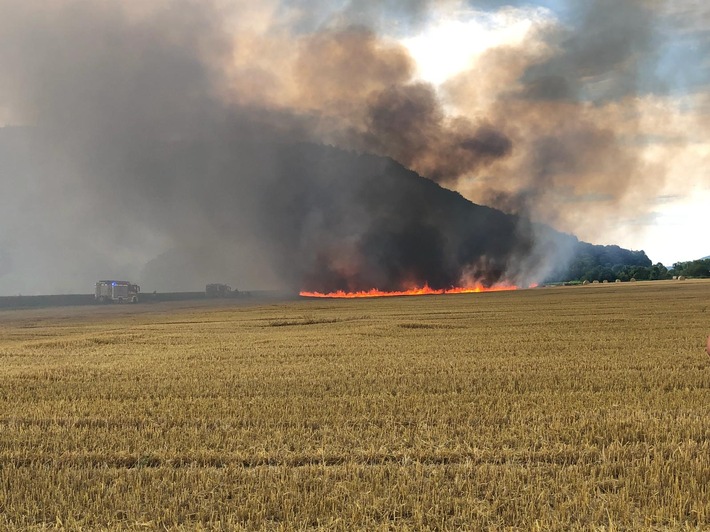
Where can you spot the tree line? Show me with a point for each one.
(609, 263)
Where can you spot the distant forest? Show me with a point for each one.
(609, 263)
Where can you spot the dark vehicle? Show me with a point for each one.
(219, 290)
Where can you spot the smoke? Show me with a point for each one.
(182, 142)
(571, 100)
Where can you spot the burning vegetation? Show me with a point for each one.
(423, 291)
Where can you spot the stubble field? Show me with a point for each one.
(555, 408)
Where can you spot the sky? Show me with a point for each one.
(122, 118)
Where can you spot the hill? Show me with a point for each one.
(312, 217)
(339, 220)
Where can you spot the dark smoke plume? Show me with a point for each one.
(186, 136)
(361, 91)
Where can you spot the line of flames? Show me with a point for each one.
(423, 291)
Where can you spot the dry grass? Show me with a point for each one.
(563, 408)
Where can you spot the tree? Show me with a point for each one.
(695, 268)
(659, 271)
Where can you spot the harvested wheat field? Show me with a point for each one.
(553, 408)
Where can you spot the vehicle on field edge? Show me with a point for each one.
(112, 291)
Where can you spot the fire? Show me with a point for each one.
(423, 291)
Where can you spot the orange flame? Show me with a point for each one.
(423, 291)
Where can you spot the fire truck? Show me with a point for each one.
(110, 291)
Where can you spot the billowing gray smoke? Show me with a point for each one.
(184, 142)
